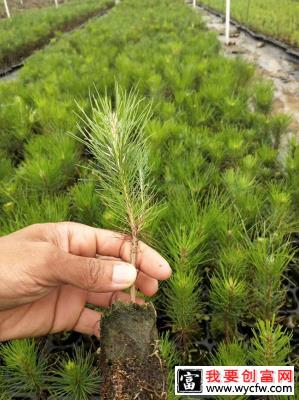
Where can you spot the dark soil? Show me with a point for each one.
(130, 361)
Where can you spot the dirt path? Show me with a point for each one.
(271, 61)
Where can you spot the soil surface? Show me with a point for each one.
(15, 6)
(272, 62)
(130, 361)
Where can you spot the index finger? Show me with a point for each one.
(148, 260)
(87, 241)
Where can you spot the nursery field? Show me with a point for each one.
(16, 6)
(229, 225)
(277, 19)
(25, 32)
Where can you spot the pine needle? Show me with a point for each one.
(114, 135)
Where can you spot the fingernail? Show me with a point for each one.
(124, 273)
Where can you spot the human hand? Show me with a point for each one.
(49, 273)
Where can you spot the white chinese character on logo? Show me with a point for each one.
(188, 378)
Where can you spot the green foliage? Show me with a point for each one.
(6, 168)
(229, 354)
(277, 127)
(281, 211)
(33, 27)
(24, 368)
(86, 204)
(114, 135)
(220, 225)
(265, 17)
(184, 244)
(183, 237)
(171, 356)
(234, 353)
(233, 260)
(263, 96)
(16, 122)
(4, 396)
(244, 193)
(32, 209)
(231, 204)
(268, 260)
(75, 378)
(183, 306)
(51, 163)
(270, 344)
(292, 168)
(227, 300)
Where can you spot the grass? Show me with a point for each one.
(279, 20)
(232, 208)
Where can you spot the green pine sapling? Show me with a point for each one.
(270, 344)
(115, 136)
(74, 378)
(23, 369)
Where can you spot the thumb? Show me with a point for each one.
(95, 274)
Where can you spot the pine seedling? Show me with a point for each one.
(4, 396)
(292, 168)
(183, 242)
(219, 224)
(183, 238)
(183, 306)
(230, 354)
(281, 213)
(269, 261)
(250, 164)
(6, 168)
(50, 163)
(75, 378)
(31, 208)
(85, 203)
(171, 356)
(114, 135)
(233, 260)
(3, 393)
(270, 344)
(278, 125)
(263, 96)
(183, 245)
(244, 193)
(24, 368)
(268, 158)
(234, 353)
(227, 299)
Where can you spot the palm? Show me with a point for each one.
(57, 311)
(53, 274)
